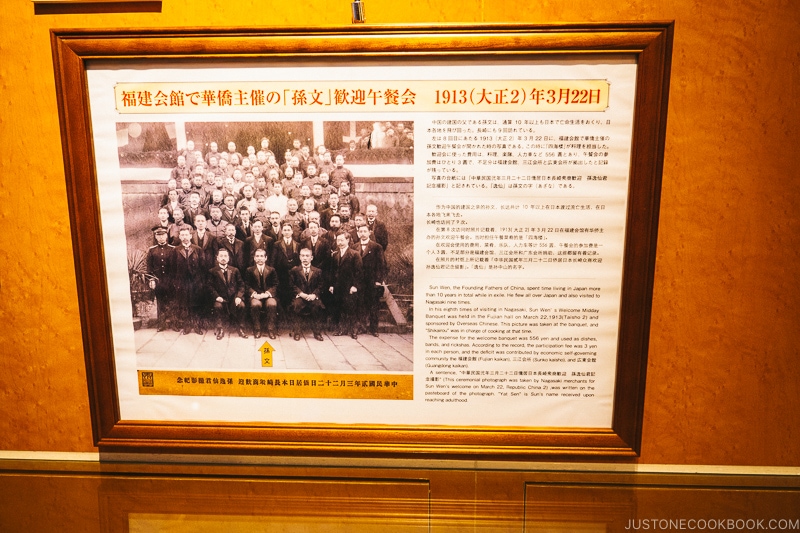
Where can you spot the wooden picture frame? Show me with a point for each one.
(647, 45)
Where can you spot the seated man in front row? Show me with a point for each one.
(307, 284)
(227, 289)
(261, 281)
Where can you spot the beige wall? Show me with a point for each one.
(723, 382)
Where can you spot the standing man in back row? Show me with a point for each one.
(377, 229)
(344, 282)
(374, 275)
(190, 275)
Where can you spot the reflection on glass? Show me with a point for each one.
(186, 523)
(564, 527)
(265, 505)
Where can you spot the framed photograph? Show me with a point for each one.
(371, 241)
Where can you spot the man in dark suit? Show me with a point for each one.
(358, 221)
(334, 229)
(319, 246)
(234, 246)
(285, 256)
(204, 239)
(329, 240)
(163, 220)
(377, 229)
(307, 285)
(193, 208)
(244, 225)
(274, 228)
(229, 212)
(328, 209)
(374, 273)
(257, 241)
(161, 268)
(344, 282)
(190, 276)
(227, 290)
(313, 216)
(308, 207)
(261, 286)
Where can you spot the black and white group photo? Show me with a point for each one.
(299, 234)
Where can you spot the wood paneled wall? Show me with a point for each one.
(723, 380)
